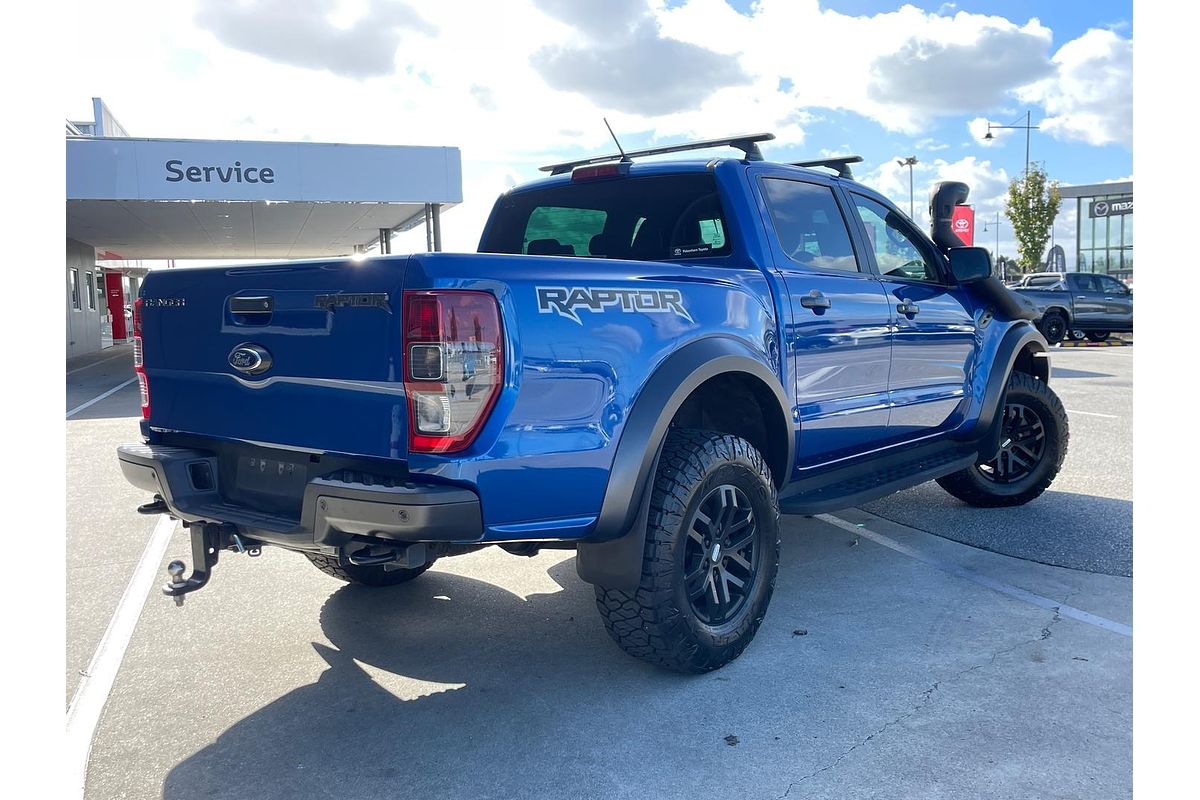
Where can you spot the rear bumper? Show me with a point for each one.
(332, 511)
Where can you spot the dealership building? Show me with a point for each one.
(132, 199)
(1104, 227)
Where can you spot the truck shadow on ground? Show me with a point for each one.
(1062, 529)
(430, 688)
(453, 687)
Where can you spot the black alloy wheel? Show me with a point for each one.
(1053, 327)
(721, 555)
(1034, 433)
(1022, 445)
(709, 560)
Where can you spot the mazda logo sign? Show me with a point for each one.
(250, 359)
(1101, 209)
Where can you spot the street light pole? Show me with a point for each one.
(1026, 127)
(908, 162)
(996, 252)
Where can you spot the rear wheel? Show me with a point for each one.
(711, 556)
(1098, 336)
(365, 576)
(1054, 327)
(1033, 444)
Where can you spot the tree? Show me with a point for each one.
(1031, 208)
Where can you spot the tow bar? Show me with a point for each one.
(208, 540)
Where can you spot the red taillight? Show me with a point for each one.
(139, 368)
(453, 366)
(598, 171)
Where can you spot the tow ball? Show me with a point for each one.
(208, 540)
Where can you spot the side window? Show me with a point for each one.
(712, 233)
(1110, 285)
(808, 225)
(1086, 282)
(895, 243)
(75, 302)
(557, 231)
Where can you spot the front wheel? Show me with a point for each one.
(1033, 444)
(1053, 327)
(711, 556)
(1098, 336)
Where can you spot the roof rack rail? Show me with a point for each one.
(747, 143)
(841, 164)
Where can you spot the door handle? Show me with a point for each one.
(909, 309)
(816, 301)
(1081, 297)
(1108, 298)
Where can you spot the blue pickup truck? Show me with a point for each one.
(646, 363)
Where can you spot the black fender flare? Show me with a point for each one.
(1062, 311)
(1017, 339)
(612, 555)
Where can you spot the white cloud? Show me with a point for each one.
(1090, 96)
(315, 34)
(613, 72)
(978, 129)
(988, 184)
(938, 65)
(975, 69)
(525, 82)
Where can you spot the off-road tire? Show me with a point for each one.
(1053, 326)
(658, 622)
(1098, 336)
(971, 486)
(364, 576)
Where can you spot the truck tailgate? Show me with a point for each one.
(330, 332)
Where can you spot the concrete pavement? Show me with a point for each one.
(491, 676)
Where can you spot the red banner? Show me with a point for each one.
(963, 224)
(116, 304)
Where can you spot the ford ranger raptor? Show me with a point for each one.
(647, 362)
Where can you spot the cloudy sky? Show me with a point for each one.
(520, 83)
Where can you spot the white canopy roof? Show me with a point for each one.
(186, 198)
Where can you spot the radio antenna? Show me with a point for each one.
(620, 149)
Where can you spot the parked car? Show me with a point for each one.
(664, 357)
(1093, 304)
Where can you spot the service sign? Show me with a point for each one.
(963, 224)
(200, 170)
(1111, 207)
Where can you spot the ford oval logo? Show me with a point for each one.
(250, 359)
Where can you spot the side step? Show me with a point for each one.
(870, 481)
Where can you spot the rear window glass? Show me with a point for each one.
(657, 218)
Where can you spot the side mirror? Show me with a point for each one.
(970, 264)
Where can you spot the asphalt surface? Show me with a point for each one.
(880, 670)
(1085, 520)
(105, 536)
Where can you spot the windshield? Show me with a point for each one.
(655, 218)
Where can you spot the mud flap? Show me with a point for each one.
(617, 563)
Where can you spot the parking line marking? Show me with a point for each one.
(1061, 609)
(95, 400)
(83, 715)
(1092, 414)
(101, 361)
